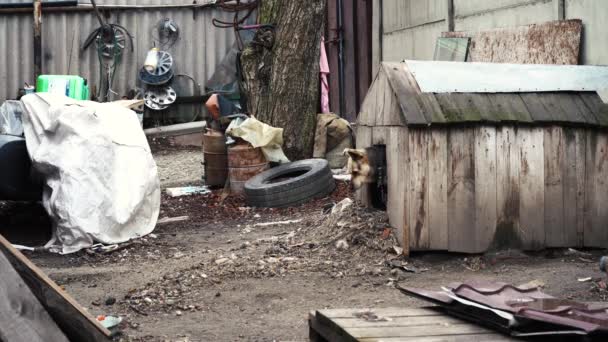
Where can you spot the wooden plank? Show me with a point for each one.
(392, 115)
(509, 107)
(351, 99)
(570, 188)
(537, 109)
(368, 112)
(581, 183)
(438, 189)
(411, 109)
(554, 42)
(23, 318)
(597, 107)
(507, 189)
(459, 338)
(363, 51)
(417, 331)
(407, 321)
(461, 191)
(363, 140)
(532, 187)
(73, 320)
(376, 36)
(596, 234)
(418, 199)
(383, 312)
(320, 332)
(485, 187)
(554, 188)
(331, 47)
(380, 135)
(396, 155)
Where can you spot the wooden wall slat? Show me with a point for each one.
(363, 140)
(507, 188)
(461, 191)
(419, 195)
(532, 187)
(596, 234)
(380, 135)
(485, 187)
(554, 150)
(392, 115)
(396, 157)
(22, 317)
(570, 189)
(367, 115)
(581, 183)
(438, 193)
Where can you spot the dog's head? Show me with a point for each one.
(359, 167)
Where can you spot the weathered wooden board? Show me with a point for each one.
(418, 195)
(74, 321)
(22, 318)
(397, 173)
(507, 189)
(363, 140)
(438, 189)
(461, 191)
(391, 115)
(532, 187)
(581, 183)
(380, 135)
(401, 324)
(404, 92)
(554, 146)
(367, 114)
(570, 189)
(485, 187)
(555, 42)
(596, 234)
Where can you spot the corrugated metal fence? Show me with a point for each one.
(200, 49)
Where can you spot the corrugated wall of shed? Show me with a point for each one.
(595, 16)
(482, 14)
(409, 28)
(199, 50)
(409, 25)
(475, 188)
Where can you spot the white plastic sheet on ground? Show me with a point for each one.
(259, 134)
(101, 181)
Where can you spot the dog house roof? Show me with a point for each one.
(430, 93)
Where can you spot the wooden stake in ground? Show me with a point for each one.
(281, 71)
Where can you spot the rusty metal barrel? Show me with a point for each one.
(216, 158)
(244, 162)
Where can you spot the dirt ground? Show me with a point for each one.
(234, 273)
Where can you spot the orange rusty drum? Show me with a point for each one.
(216, 159)
(244, 162)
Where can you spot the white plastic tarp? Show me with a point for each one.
(101, 181)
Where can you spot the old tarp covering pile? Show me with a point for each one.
(518, 310)
(101, 181)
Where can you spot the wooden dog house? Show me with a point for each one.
(520, 162)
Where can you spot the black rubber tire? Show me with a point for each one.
(15, 171)
(316, 181)
(317, 189)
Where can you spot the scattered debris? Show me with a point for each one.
(584, 280)
(341, 245)
(188, 190)
(370, 316)
(266, 224)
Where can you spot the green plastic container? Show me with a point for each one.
(69, 85)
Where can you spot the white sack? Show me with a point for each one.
(101, 182)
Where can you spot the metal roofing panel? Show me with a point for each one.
(420, 108)
(459, 77)
(200, 49)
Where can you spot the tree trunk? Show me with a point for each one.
(281, 71)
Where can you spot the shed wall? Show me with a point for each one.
(410, 32)
(475, 188)
(201, 48)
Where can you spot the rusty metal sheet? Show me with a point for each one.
(524, 311)
(554, 42)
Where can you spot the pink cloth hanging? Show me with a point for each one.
(323, 72)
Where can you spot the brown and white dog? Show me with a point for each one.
(359, 167)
